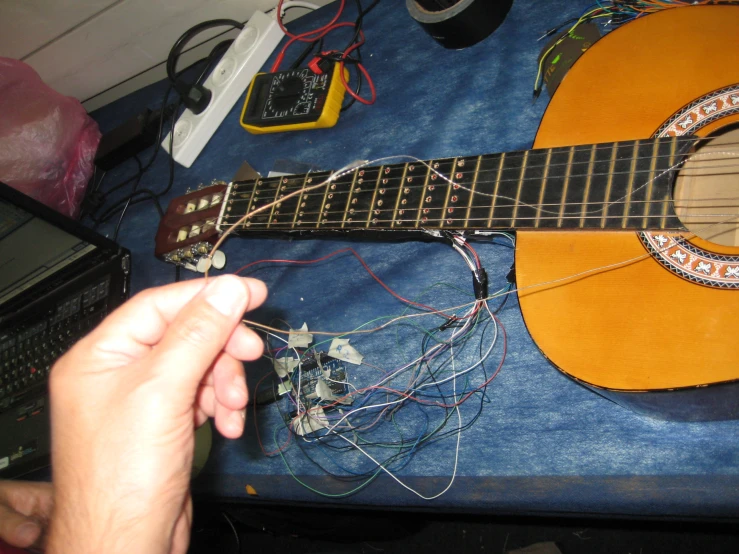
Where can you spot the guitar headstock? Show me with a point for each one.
(187, 232)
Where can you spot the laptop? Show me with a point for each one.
(58, 280)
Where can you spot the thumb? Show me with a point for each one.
(16, 529)
(199, 333)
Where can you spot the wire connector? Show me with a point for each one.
(480, 283)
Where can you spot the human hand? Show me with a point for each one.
(124, 404)
(25, 509)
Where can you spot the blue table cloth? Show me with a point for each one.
(542, 444)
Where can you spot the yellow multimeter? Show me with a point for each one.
(293, 100)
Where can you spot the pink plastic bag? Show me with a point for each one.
(47, 141)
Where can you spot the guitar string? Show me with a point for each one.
(519, 203)
(560, 280)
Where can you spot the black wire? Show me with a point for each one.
(128, 203)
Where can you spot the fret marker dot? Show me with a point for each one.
(248, 223)
(379, 202)
(361, 172)
(382, 191)
(449, 221)
(300, 222)
(360, 181)
(404, 201)
(328, 206)
(374, 221)
(310, 180)
(436, 166)
(431, 187)
(411, 167)
(377, 212)
(354, 200)
(433, 176)
(425, 210)
(456, 186)
(256, 193)
(330, 196)
(333, 187)
(259, 183)
(401, 212)
(451, 210)
(384, 181)
(458, 175)
(351, 211)
(454, 198)
(284, 180)
(428, 199)
(302, 204)
(324, 221)
(409, 179)
(461, 163)
(387, 170)
(301, 214)
(406, 190)
(349, 220)
(424, 219)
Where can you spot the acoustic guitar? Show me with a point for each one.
(626, 213)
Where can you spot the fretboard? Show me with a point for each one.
(621, 185)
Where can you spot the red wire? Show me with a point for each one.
(302, 37)
(364, 264)
(311, 36)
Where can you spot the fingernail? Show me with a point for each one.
(237, 420)
(27, 533)
(239, 384)
(226, 295)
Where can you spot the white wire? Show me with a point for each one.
(297, 4)
(456, 451)
(300, 367)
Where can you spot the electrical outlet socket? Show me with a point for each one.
(227, 83)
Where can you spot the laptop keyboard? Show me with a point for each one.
(28, 353)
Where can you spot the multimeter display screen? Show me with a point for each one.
(294, 96)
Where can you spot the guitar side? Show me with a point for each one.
(633, 331)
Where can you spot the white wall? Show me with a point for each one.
(100, 50)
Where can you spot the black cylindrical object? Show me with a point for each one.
(459, 23)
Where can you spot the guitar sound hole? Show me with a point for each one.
(707, 190)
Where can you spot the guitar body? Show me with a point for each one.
(645, 333)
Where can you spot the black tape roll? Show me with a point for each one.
(459, 23)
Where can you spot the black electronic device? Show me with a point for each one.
(58, 281)
(295, 99)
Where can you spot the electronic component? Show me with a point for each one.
(294, 100)
(323, 380)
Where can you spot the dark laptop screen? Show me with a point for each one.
(32, 250)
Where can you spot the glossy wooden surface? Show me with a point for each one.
(633, 326)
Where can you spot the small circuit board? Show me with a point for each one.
(323, 381)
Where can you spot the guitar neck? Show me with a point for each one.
(621, 185)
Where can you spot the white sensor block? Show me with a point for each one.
(227, 83)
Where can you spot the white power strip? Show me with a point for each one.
(228, 81)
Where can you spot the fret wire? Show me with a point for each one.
(325, 195)
(591, 163)
(449, 189)
(614, 148)
(400, 188)
(543, 186)
(474, 185)
(374, 196)
(650, 182)
(300, 198)
(251, 200)
(349, 197)
(518, 189)
(423, 194)
(274, 200)
(630, 185)
(564, 188)
(673, 152)
(495, 190)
